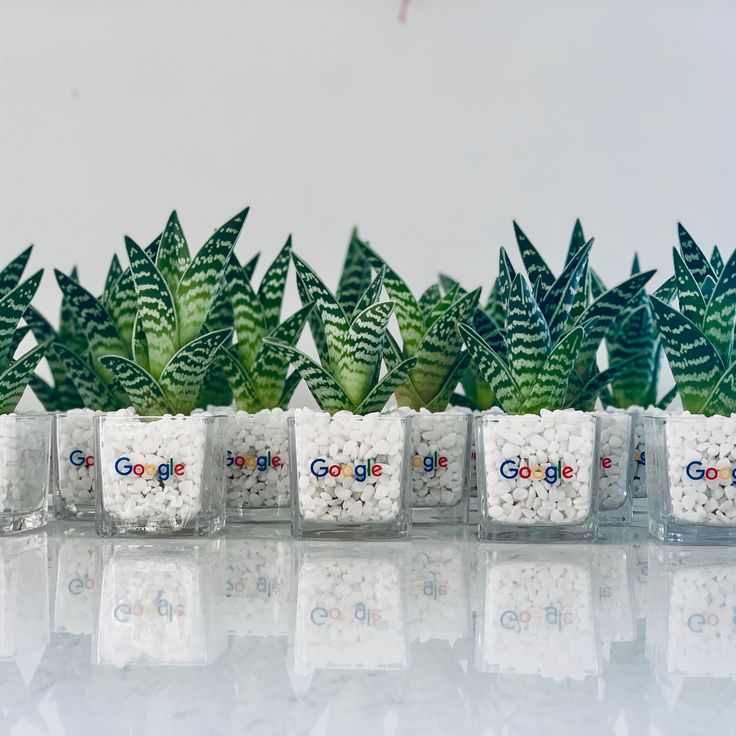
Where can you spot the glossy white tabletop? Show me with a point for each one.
(253, 633)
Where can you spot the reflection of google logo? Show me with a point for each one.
(78, 458)
(77, 586)
(695, 471)
(263, 585)
(550, 615)
(123, 612)
(698, 622)
(359, 613)
(261, 462)
(510, 469)
(164, 471)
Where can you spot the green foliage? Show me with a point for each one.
(698, 335)
(351, 344)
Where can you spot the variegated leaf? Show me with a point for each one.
(139, 386)
(19, 335)
(499, 300)
(114, 272)
(122, 305)
(172, 258)
(442, 398)
(182, 378)
(716, 261)
(332, 316)
(156, 315)
(527, 333)
(15, 378)
(11, 275)
(667, 291)
(44, 332)
(326, 391)
(695, 363)
(249, 268)
(689, 297)
(440, 346)
(550, 388)
(720, 314)
(248, 318)
(215, 390)
(465, 401)
(221, 316)
(355, 276)
(140, 345)
(577, 242)
(12, 308)
(90, 387)
(586, 397)
(441, 306)
(200, 283)
(429, 299)
(597, 287)
(357, 364)
(244, 392)
(315, 324)
(379, 395)
(271, 290)
(535, 265)
(493, 369)
(667, 399)
(696, 261)
(290, 386)
(447, 282)
(370, 295)
(560, 299)
(47, 395)
(70, 331)
(635, 267)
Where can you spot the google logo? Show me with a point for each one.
(261, 462)
(510, 469)
(78, 458)
(319, 468)
(429, 463)
(696, 471)
(163, 472)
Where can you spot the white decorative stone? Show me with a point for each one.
(343, 456)
(614, 457)
(535, 453)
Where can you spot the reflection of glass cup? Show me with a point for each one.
(350, 610)
(538, 614)
(691, 627)
(24, 600)
(613, 563)
(438, 592)
(74, 574)
(257, 579)
(157, 603)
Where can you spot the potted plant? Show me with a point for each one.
(538, 463)
(159, 471)
(692, 497)
(25, 439)
(257, 463)
(440, 437)
(348, 462)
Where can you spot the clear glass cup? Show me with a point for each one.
(615, 450)
(537, 476)
(691, 478)
(349, 475)
(439, 489)
(74, 465)
(160, 475)
(25, 465)
(257, 466)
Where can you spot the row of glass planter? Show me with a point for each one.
(555, 476)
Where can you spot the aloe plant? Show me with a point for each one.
(350, 355)
(254, 368)
(15, 298)
(698, 335)
(429, 335)
(149, 343)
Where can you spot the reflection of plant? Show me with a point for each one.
(698, 335)
(15, 298)
(429, 333)
(255, 369)
(346, 378)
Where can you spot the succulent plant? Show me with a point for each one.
(255, 369)
(148, 337)
(350, 355)
(698, 335)
(15, 298)
(429, 335)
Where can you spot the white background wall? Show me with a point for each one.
(431, 134)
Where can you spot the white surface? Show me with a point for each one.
(626, 638)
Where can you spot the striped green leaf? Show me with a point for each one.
(689, 296)
(597, 287)
(550, 387)
(156, 315)
(535, 265)
(18, 337)
(290, 385)
(139, 386)
(315, 324)
(499, 298)
(15, 378)
(249, 268)
(70, 331)
(527, 334)
(696, 261)
(12, 308)
(720, 314)
(380, 394)
(667, 291)
(182, 378)
(355, 276)
(429, 299)
(326, 391)
(441, 399)
(122, 305)
(172, 258)
(11, 275)
(667, 399)
(44, 332)
(271, 290)
(447, 282)
(558, 303)
(248, 318)
(114, 272)
(465, 401)
(442, 306)
(370, 295)
(244, 392)
(200, 283)
(357, 364)
(493, 369)
(140, 345)
(716, 261)
(215, 390)
(91, 388)
(221, 316)
(635, 266)
(577, 242)
(408, 314)
(586, 397)
(332, 316)
(695, 363)
(46, 394)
